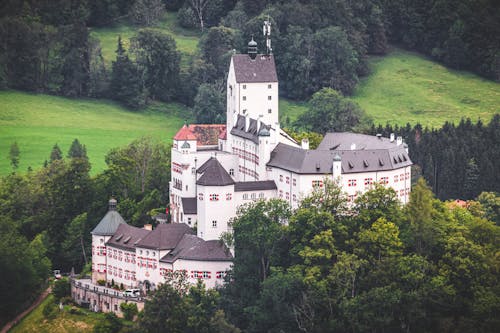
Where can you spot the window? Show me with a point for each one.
(244, 98)
(281, 178)
(368, 181)
(402, 193)
(253, 196)
(402, 176)
(244, 111)
(281, 194)
(407, 175)
(396, 178)
(245, 196)
(261, 195)
(287, 196)
(269, 111)
(214, 224)
(206, 275)
(220, 275)
(214, 197)
(200, 196)
(288, 180)
(317, 183)
(384, 180)
(193, 171)
(186, 187)
(231, 90)
(351, 182)
(244, 86)
(294, 198)
(189, 220)
(294, 182)
(229, 196)
(231, 172)
(269, 98)
(269, 86)
(351, 198)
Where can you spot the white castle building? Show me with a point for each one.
(217, 168)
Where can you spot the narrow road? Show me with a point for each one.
(20, 316)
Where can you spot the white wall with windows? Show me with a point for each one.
(216, 206)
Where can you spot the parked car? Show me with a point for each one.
(132, 293)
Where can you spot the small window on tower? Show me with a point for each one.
(244, 98)
(244, 86)
(269, 111)
(269, 86)
(269, 98)
(214, 224)
(231, 172)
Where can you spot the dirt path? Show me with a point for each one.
(20, 316)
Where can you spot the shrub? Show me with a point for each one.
(101, 282)
(129, 310)
(49, 311)
(61, 289)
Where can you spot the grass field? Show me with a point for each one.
(64, 322)
(186, 40)
(406, 87)
(37, 122)
(290, 110)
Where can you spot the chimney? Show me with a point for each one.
(353, 146)
(247, 122)
(399, 140)
(392, 137)
(305, 144)
(148, 227)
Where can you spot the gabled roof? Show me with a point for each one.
(109, 223)
(370, 154)
(165, 236)
(214, 174)
(260, 69)
(189, 205)
(204, 134)
(192, 247)
(126, 237)
(261, 185)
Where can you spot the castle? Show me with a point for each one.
(217, 168)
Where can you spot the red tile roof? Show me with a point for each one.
(204, 134)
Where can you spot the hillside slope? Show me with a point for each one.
(37, 122)
(406, 87)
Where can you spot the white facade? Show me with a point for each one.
(252, 149)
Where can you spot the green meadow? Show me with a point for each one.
(406, 87)
(186, 40)
(37, 122)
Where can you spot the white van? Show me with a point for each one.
(132, 293)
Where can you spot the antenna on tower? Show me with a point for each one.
(266, 29)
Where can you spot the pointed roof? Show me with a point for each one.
(260, 69)
(203, 134)
(165, 236)
(110, 222)
(214, 174)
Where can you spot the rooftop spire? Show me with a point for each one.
(252, 49)
(112, 204)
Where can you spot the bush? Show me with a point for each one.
(67, 300)
(49, 311)
(110, 324)
(76, 310)
(101, 282)
(61, 289)
(129, 310)
(187, 18)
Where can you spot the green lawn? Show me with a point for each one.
(64, 322)
(186, 40)
(290, 111)
(406, 87)
(37, 122)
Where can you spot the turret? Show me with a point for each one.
(252, 49)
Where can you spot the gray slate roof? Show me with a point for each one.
(127, 236)
(165, 236)
(214, 174)
(261, 185)
(261, 69)
(371, 154)
(192, 247)
(189, 205)
(253, 131)
(109, 223)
